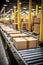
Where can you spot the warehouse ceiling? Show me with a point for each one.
(10, 3)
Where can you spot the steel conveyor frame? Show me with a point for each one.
(23, 57)
(3, 57)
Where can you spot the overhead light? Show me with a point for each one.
(39, 6)
(7, 1)
(5, 5)
(24, 8)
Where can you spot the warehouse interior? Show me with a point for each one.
(21, 32)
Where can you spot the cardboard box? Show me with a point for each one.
(24, 25)
(20, 43)
(13, 32)
(36, 28)
(8, 22)
(31, 42)
(15, 26)
(36, 19)
(17, 35)
(6, 28)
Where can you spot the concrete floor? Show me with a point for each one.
(3, 57)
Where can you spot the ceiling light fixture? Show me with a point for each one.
(7, 0)
(5, 5)
(39, 6)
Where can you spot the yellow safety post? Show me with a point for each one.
(36, 9)
(18, 13)
(4, 17)
(14, 10)
(30, 10)
(12, 16)
(41, 22)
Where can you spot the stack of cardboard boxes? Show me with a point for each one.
(20, 40)
(15, 26)
(25, 43)
(24, 22)
(36, 25)
(24, 25)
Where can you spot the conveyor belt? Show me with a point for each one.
(32, 56)
(25, 57)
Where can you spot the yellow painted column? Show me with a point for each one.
(4, 17)
(18, 13)
(36, 9)
(41, 22)
(14, 10)
(30, 10)
(12, 16)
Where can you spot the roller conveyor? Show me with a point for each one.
(34, 56)
(30, 34)
(25, 57)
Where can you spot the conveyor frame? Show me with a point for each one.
(16, 55)
(20, 57)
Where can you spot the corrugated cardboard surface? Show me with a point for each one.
(6, 28)
(20, 43)
(15, 26)
(24, 25)
(36, 28)
(31, 42)
(17, 35)
(13, 32)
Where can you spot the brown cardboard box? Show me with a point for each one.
(36, 28)
(31, 42)
(13, 32)
(17, 35)
(8, 22)
(24, 25)
(6, 28)
(20, 43)
(15, 26)
(36, 19)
